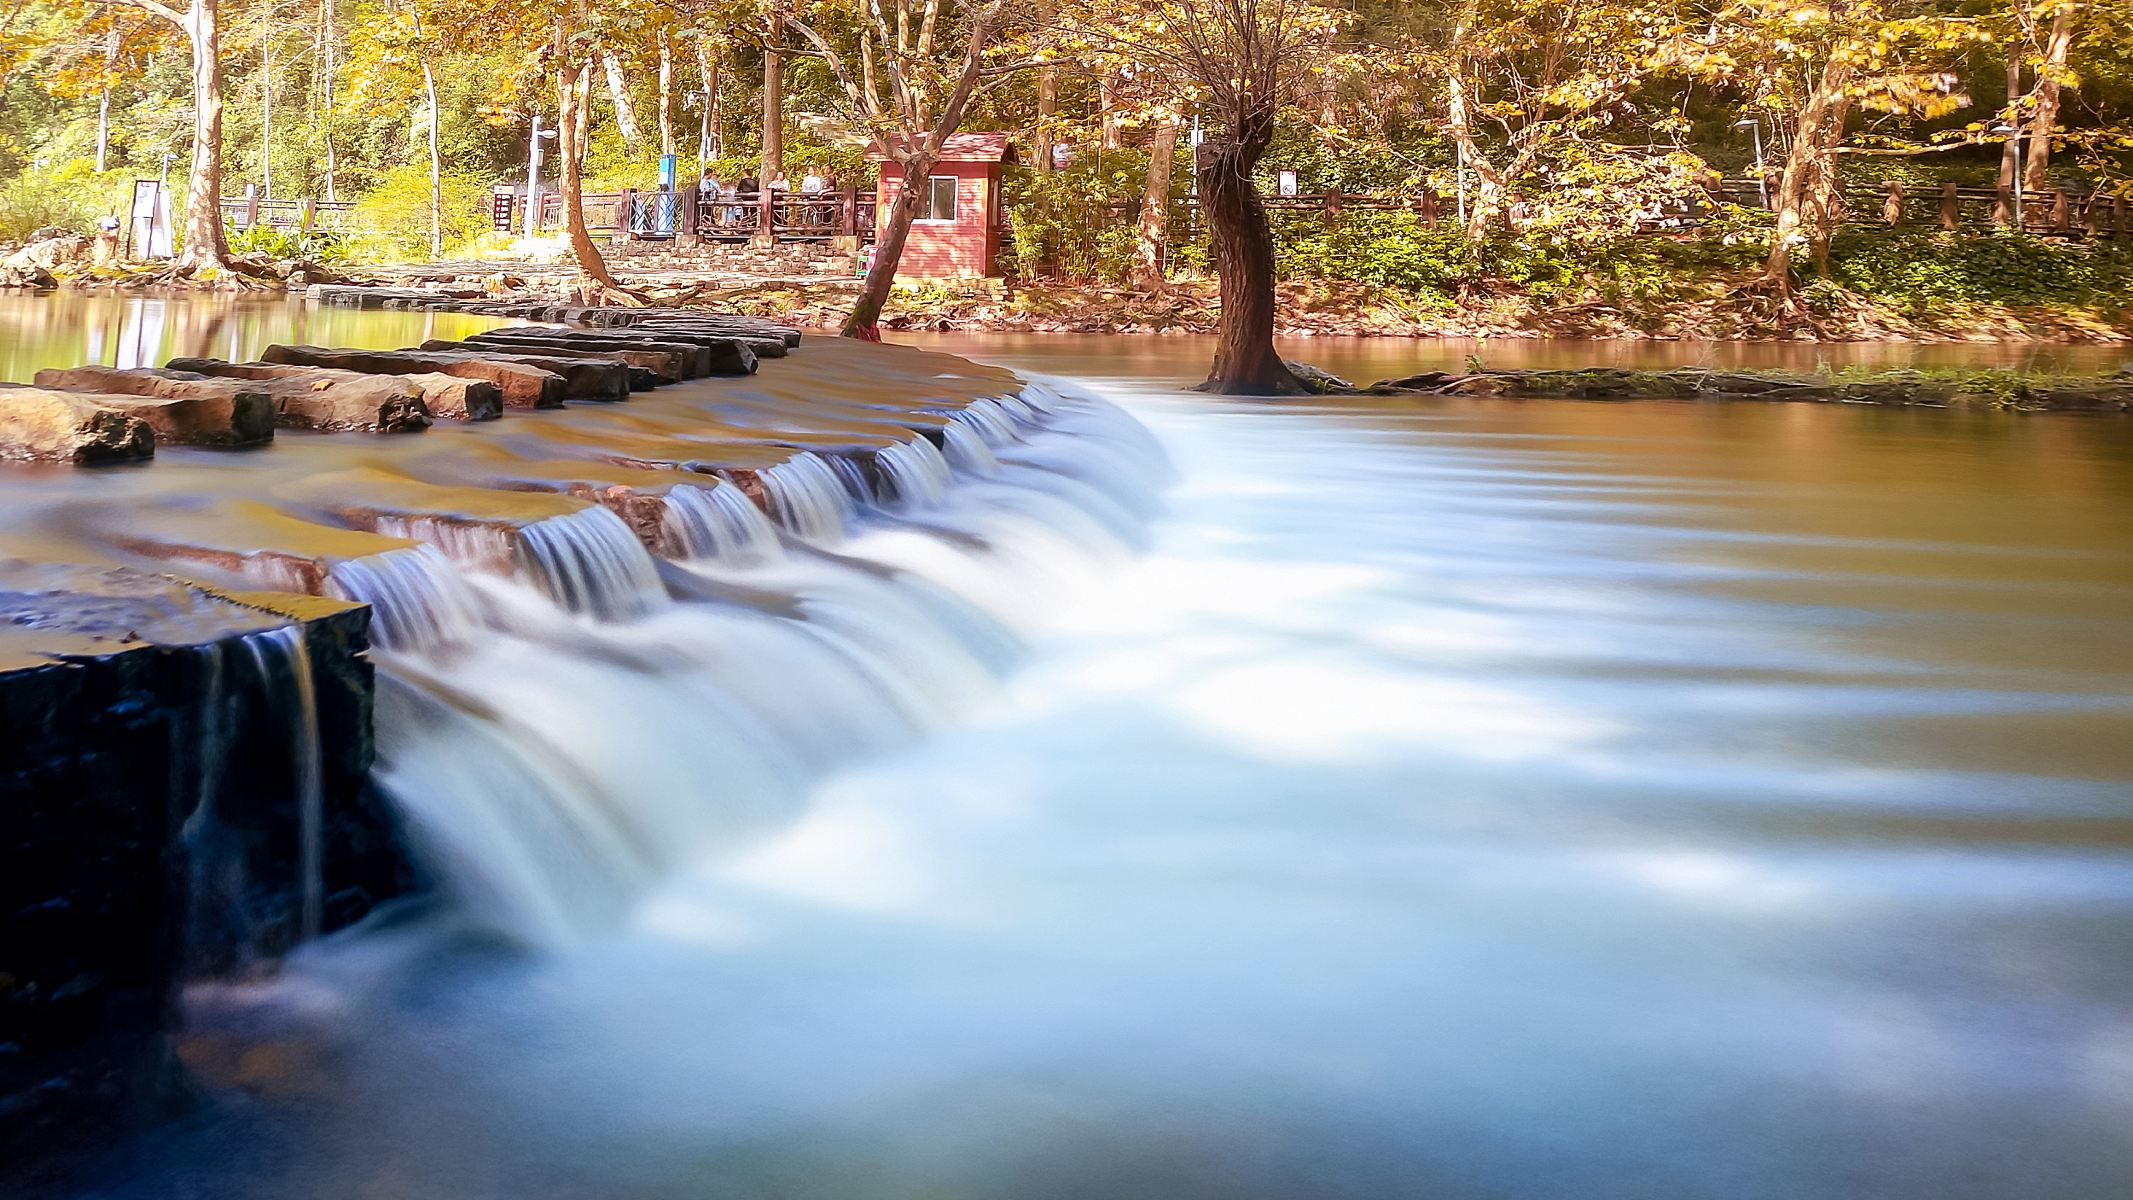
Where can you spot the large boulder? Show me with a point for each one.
(523, 386)
(328, 405)
(224, 418)
(587, 375)
(445, 396)
(40, 425)
(34, 265)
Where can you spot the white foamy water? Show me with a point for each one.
(1472, 801)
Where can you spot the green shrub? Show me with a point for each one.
(397, 212)
(1921, 270)
(313, 246)
(72, 196)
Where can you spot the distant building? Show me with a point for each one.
(958, 233)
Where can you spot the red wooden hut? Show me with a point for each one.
(959, 229)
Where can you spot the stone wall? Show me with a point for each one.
(150, 826)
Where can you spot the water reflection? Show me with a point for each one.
(67, 328)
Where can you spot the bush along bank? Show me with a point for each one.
(1968, 389)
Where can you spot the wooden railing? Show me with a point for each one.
(1950, 208)
(688, 213)
(249, 212)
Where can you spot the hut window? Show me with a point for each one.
(938, 204)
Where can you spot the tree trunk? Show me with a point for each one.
(103, 99)
(327, 55)
(429, 90)
(625, 111)
(865, 318)
(773, 107)
(1811, 142)
(266, 101)
(2051, 78)
(1155, 207)
(1047, 108)
(1245, 361)
(205, 247)
(1489, 183)
(1825, 194)
(710, 130)
(2011, 149)
(573, 87)
(1107, 103)
(666, 94)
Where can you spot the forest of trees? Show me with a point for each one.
(1564, 121)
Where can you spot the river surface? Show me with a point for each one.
(1456, 799)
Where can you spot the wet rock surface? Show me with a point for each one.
(149, 820)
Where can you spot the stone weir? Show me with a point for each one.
(185, 681)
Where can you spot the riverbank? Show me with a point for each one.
(1922, 292)
(1721, 310)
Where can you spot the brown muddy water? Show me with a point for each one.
(1452, 799)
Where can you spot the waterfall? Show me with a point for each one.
(547, 767)
(967, 450)
(917, 475)
(260, 702)
(418, 599)
(808, 499)
(278, 652)
(591, 562)
(717, 523)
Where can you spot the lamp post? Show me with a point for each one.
(533, 175)
(1762, 176)
(2014, 131)
(701, 101)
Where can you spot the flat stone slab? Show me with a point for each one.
(522, 385)
(445, 396)
(328, 405)
(45, 425)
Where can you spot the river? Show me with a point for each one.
(1456, 799)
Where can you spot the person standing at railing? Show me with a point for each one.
(780, 189)
(811, 191)
(749, 190)
(709, 189)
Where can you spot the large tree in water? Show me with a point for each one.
(1243, 59)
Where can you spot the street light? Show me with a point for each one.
(1762, 177)
(533, 175)
(702, 100)
(2014, 131)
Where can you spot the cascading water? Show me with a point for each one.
(917, 474)
(718, 523)
(548, 767)
(260, 704)
(808, 498)
(590, 562)
(275, 653)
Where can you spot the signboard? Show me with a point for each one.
(666, 172)
(502, 205)
(149, 233)
(1288, 183)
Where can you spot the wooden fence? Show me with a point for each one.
(687, 213)
(251, 212)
